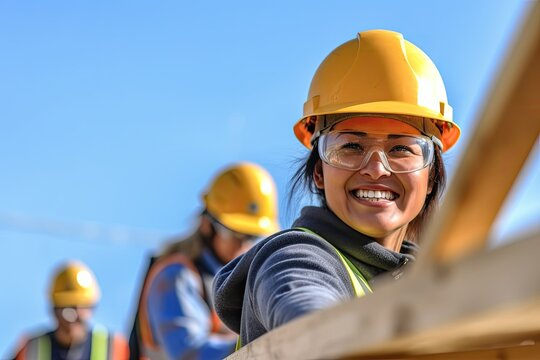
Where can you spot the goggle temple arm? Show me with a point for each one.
(436, 141)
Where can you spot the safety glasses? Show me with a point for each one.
(74, 313)
(399, 153)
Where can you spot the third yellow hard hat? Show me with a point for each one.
(74, 285)
(379, 72)
(243, 197)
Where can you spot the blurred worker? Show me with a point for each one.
(175, 317)
(74, 293)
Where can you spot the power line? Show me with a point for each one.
(87, 230)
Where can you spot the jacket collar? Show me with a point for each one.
(369, 256)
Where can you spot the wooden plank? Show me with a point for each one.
(475, 303)
(527, 351)
(499, 145)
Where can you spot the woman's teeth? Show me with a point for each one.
(375, 195)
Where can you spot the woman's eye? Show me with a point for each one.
(352, 146)
(402, 149)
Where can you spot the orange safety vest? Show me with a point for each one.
(148, 343)
(104, 346)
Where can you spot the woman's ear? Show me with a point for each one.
(318, 175)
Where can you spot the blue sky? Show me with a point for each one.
(116, 114)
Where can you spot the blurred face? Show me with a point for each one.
(229, 244)
(72, 323)
(373, 200)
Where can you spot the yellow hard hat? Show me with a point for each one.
(243, 197)
(379, 72)
(74, 285)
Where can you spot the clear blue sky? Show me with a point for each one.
(116, 114)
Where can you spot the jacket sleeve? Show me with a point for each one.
(296, 274)
(180, 317)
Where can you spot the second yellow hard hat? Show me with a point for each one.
(243, 197)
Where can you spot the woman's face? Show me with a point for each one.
(346, 190)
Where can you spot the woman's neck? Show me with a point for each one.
(393, 241)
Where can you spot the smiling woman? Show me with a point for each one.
(376, 122)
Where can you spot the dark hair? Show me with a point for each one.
(303, 181)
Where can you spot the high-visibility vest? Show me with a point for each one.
(149, 347)
(104, 346)
(359, 283)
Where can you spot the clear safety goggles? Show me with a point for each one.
(399, 153)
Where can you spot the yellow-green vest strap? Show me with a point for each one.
(238, 344)
(362, 283)
(100, 343)
(359, 283)
(44, 348)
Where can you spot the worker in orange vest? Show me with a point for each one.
(74, 294)
(175, 318)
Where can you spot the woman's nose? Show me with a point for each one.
(373, 165)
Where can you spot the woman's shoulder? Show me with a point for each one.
(302, 253)
(294, 240)
(295, 235)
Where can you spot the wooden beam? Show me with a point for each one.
(493, 298)
(498, 147)
(528, 351)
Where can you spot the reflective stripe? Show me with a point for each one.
(360, 285)
(358, 281)
(100, 344)
(44, 348)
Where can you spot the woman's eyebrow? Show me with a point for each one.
(395, 136)
(353, 132)
(365, 134)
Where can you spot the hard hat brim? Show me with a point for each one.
(75, 299)
(249, 225)
(449, 136)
